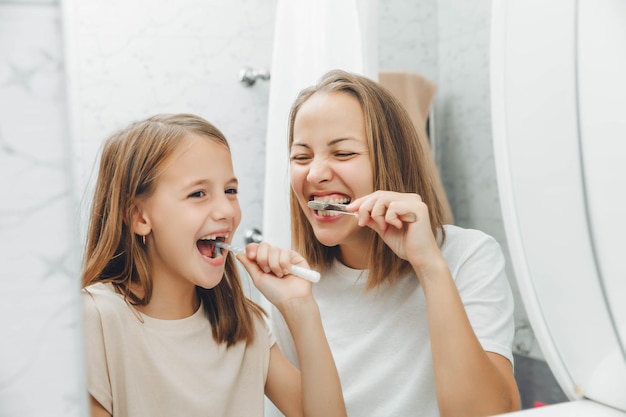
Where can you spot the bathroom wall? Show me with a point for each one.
(39, 310)
(128, 61)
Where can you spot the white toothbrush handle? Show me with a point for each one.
(308, 274)
(302, 272)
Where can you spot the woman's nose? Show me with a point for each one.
(319, 171)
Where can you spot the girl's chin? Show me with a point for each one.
(209, 283)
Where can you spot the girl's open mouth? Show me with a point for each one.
(207, 247)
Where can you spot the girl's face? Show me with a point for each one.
(195, 199)
(330, 162)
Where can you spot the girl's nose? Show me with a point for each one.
(319, 171)
(223, 208)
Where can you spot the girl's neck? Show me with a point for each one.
(171, 303)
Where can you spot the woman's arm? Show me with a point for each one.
(468, 380)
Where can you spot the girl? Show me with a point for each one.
(418, 315)
(169, 331)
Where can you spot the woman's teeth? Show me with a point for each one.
(333, 200)
(324, 213)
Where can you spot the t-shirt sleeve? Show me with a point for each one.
(486, 294)
(283, 336)
(98, 383)
(270, 334)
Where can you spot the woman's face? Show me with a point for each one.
(330, 162)
(195, 200)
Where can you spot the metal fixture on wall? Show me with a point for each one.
(253, 236)
(249, 75)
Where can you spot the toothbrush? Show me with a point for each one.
(308, 274)
(331, 207)
(341, 209)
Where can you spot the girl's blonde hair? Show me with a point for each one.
(131, 163)
(399, 163)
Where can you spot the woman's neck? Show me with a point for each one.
(355, 254)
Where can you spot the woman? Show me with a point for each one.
(418, 315)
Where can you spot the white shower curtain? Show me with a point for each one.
(310, 38)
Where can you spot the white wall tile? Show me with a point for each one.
(39, 280)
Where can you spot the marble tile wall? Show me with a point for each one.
(129, 61)
(39, 282)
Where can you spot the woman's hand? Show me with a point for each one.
(402, 221)
(268, 267)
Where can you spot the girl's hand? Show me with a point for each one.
(268, 267)
(402, 221)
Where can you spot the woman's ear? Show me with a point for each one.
(139, 221)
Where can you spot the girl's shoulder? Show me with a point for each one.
(101, 295)
(101, 302)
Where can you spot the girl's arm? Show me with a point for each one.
(97, 410)
(315, 390)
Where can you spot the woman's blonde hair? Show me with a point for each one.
(131, 162)
(399, 163)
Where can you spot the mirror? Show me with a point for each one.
(554, 93)
(121, 62)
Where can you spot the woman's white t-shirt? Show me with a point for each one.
(380, 338)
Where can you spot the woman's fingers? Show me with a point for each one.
(387, 208)
(399, 212)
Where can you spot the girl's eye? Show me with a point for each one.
(197, 194)
(233, 191)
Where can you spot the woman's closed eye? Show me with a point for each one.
(344, 154)
(300, 158)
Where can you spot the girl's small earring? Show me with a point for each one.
(143, 239)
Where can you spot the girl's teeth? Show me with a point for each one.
(213, 237)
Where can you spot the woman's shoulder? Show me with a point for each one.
(460, 241)
(456, 235)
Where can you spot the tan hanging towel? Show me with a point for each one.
(416, 94)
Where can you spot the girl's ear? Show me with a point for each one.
(139, 221)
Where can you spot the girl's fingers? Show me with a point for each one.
(262, 257)
(271, 259)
